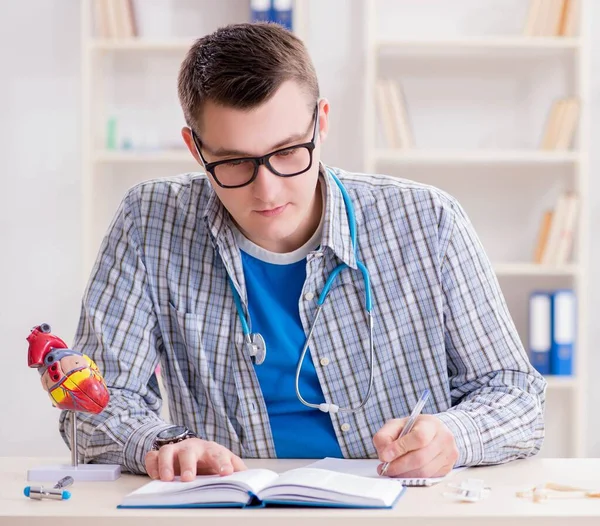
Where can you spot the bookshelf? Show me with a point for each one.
(418, 62)
(165, 31)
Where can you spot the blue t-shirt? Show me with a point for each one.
(273, 295)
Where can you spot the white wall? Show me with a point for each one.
(39, 207)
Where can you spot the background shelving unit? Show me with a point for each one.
(388, 55)
(106, 174)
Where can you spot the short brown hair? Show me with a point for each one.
(241, 66)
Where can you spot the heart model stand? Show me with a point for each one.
(75, 384)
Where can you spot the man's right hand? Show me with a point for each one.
(192, 457)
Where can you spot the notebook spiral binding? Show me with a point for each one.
(415, 482)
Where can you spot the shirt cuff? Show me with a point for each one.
(466, 435)
(139, 444)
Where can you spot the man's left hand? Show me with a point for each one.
(428, 450)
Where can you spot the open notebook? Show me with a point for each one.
(261, 487)
(368, 468)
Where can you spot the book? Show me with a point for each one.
(385, 111)
(543, 234)
(540, 317)
(115, 19)
(368, 468)
(400, 115)
(257, 488)
(568, 125)
(544, 18)
(564, 244)
(561, 124)
(558, 219)
(563, 332)
(533, 15)
(570, 19)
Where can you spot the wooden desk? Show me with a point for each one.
(94, 503)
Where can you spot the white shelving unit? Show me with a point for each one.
(96, 160)
(574, 163)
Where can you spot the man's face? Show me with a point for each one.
(277, 213)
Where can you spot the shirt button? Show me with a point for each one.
(309, 296)
(345, 427)
(324, 361)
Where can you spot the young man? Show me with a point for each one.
(193, 265)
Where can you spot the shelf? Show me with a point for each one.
(425, 156)
(561, 382)
(161, 156)
(506, 43)
(533, 269)
(140, 44)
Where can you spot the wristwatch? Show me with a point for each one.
(172, 435)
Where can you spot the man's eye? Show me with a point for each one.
(287, 153)
(235, 163)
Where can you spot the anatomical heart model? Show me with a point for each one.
(74, 383)
(72, 379)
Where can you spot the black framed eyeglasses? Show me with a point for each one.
(285, 162)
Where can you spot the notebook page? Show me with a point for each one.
(368, 468)
(329, 486)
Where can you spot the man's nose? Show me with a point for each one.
(266, 185)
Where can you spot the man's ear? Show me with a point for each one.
(186, 133)
(323, 119)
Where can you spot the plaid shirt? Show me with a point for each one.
(159, 293)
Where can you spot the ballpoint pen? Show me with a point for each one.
(410, 423)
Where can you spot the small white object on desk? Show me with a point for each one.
(470, 490)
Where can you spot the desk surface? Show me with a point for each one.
(95, 503)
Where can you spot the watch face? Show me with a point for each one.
(171, 432)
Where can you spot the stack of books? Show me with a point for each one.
(115, 19)
(552, 18)
(557, 231)
(391, 106)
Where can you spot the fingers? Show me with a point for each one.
(388, 433)
(166, 466)
(216, 459)
(428, 450)
(192, 457)
(151, 462)
(410, 464)
(188, 462)
(419, 437)
(436, 467)
(238, 463)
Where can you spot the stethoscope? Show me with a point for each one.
(255, 343)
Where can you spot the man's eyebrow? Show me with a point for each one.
(225, 152)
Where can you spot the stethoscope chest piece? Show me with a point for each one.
(257, 348)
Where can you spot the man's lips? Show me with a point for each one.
(272, 212)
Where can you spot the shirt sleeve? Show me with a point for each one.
(498, 398)
(118, 329)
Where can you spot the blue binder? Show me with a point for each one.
(282, 13)
(261, 11)
(563, 332)
(540, 319)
